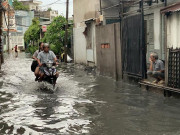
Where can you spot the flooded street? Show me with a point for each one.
(83, 104)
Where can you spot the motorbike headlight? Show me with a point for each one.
(49, 65)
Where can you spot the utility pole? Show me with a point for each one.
(8, 29)
(121, 34)
(66, 32)
(1, 46)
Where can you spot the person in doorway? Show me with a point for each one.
(16, 50)
(34, 66)
(62, 57)
(45, 56)
(156, 68)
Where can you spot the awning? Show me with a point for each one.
(172, 8)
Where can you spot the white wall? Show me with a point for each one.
(79, 45)
(173, 30)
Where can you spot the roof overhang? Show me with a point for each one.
(89, 20)
(45, 23)
(172, 8)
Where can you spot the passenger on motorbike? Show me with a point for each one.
(44, 57)
(35, 66)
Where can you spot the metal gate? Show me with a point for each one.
(174, 68)
(133, 44)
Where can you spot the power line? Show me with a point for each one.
(51, 3)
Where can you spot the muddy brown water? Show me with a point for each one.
(83, 104)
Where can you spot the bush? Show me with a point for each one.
(32, 35)
(31, 49)
(55, 48)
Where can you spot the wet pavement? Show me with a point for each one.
(83, 104)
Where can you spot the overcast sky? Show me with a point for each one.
(59, 5)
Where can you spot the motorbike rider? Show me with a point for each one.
(35, 62)
(45, 56)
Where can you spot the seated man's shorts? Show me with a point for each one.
(156, 74)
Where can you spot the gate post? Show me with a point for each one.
(144, 68)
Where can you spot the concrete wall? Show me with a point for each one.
(79, 45)
(85, 10)
(109, 59)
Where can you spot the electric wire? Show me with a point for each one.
(51, 3)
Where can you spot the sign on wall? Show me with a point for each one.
(44, 28)
(105, 45)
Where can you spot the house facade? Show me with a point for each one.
(47, 15)
(172, 20)
(33, 4)
(152, 30)
(8, 18)
(23, 21)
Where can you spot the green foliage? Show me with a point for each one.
(31, 49)
(55, 48)
(55, 34)
(20, 6)
(49, 9)
(32, 35)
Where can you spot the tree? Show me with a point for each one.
(32, 35)
(20, 6)
(49, 9)
(55, 34)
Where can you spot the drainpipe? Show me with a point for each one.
(100, 1)
(165, 48)
(165, 3)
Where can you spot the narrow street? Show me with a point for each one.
(83, 104)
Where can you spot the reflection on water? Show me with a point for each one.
(27, 110)
(83, 104)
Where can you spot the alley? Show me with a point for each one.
(84, 103)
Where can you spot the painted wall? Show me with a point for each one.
(109, 59)
(84, 10)
(79, 45)
(23, 21)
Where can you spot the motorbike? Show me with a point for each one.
(49, 80)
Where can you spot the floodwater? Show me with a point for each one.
(83, 104)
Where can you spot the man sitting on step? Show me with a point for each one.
(156, 68)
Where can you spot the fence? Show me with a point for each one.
(174, 69)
